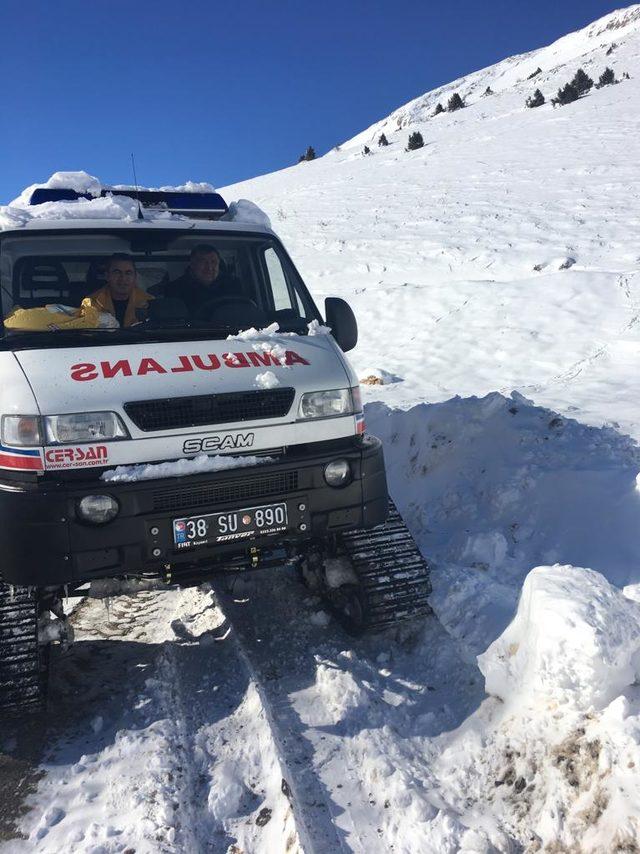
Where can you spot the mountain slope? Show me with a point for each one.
(502, 255)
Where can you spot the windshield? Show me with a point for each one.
(144, 283)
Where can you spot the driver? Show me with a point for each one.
(203, 280)
(121, 295)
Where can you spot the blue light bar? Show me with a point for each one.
(193, 205)
(57, 194)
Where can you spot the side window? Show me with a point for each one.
(278, 281)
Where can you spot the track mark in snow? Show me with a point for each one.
(157, 743)
(355, 719)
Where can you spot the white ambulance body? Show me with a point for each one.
(193, 441)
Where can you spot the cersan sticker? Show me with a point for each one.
(87, 371)
(64, 458)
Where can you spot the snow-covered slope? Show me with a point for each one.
(516, 76)
(502, 255)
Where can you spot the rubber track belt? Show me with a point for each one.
(393, 575)
(20, 671)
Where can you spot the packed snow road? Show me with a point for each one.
(178, 725)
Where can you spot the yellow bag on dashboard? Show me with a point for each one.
(54, 316)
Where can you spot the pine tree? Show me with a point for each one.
(535, 73)
(383, 140)
(606, 78)
(366, 150)
(310, 154)
(581, 82)
(439, 109)
(455, 103)
(415, 141)
(566, 95)
(625, 75)
(536, 100)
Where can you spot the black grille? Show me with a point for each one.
(248, 489)
(209, 409)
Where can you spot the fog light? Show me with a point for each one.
(337, 473)
(97, 509)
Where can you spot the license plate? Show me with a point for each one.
(230, 526)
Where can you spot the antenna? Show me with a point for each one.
(135, 181)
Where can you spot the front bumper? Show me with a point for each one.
(43, 542)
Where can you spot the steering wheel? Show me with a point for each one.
(233, 310)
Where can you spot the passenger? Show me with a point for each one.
(203, 280)
(121, 296)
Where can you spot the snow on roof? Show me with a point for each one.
(188, 187)
(81, 182)
(112, 210)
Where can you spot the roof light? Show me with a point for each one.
(193, 205)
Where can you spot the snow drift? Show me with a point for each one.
(491, 487)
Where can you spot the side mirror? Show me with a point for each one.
(342, 321)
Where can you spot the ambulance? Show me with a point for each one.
(189, 443)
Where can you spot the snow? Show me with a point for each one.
(19, 212)
(81, 182)
(510, 719)
(119, 208)
(436, 250)
(247, 212)
(187, 187)
(179, 468)
(255, 334)
(316, 328)
(377, 376)
(574, 639)
(266, 379)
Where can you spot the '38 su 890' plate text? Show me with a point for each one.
(230, 526)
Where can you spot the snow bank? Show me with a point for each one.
(179, 468)
(494, 486)
(574, 639)
(560, 754)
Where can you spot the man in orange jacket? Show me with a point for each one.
(121, 296)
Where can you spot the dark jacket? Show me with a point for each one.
(194, 294)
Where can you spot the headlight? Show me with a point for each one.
(97, 509)
(84, 427)
(21, 430)
(326, 404)
(337, 473)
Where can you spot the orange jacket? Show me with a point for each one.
(138, 302)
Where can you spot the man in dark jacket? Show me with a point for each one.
(202, 281)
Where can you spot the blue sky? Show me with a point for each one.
(221, 91)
